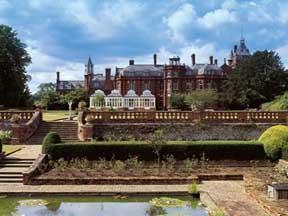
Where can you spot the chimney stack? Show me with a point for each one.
(224, 60)
(155, 59)
(131, 62)
(58, 76)
(193, 56)
(211, 60)
(107, 73)
(216, 62)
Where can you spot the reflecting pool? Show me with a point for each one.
(100, 206)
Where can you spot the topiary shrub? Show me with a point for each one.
(285, 152)
(274, 139)
(50, 139)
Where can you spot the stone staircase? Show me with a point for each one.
(11, 169)
(66, 129)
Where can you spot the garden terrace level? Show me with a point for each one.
(188, 117)
(23, 115)
(23, 124)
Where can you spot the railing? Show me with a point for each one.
(189, 116)
(23, 115)
(23, 131)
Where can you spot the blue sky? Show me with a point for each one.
(60, 35)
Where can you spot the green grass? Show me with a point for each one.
(8, 149)
(53, 115)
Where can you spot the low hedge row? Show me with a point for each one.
(182, 150)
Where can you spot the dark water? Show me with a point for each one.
(97, 206)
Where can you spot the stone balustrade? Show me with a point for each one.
(189, 116)
(23, 115)
(23, 131)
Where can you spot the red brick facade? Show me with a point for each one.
(161, 80)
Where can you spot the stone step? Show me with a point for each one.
(11, 176)
(10, 173)
(8, 180)
(14, 165)
(16, 162)
(19, 159)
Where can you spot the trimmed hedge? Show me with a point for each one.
(285, 152)
(182, 150)
(274, 140)
(50, 139)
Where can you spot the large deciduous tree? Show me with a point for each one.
(13, 61)
(201, 99)
(258, 79)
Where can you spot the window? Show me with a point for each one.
(131, 85)
(200, 84)
(146, 85)
(188, 85)
(175, 85)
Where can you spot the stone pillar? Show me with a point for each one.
(85, 132)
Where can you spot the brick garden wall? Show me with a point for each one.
(180, 132)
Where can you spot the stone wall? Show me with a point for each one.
(180, 131)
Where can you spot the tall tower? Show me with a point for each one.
(239, 53)
(89, 67)
(89, 73)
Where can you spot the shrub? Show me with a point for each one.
(144, 151)
(5, 136)
(285, 152)
(192, 189)
(274, 139)
(50, 139)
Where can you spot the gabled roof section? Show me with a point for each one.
(142, 70)
(70, 84)
(206, 69)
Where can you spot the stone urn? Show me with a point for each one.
(89, 119)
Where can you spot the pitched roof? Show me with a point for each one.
(206, 69)
(142, 70)
(70, 84)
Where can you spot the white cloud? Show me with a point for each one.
(4, 4)
(230, 4)
(179, 21)
(283, 52)
(106, 22)
(216, 18)
(43, 68)
(283, 15)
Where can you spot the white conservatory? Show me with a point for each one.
(131, 101)
(97, 100)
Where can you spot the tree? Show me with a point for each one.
(201, 99)
(13, 61)
(158, 141)
(279, 104)
(177, 101)
(258, 79)
(44, 88)
(47, 97)
(75, 96)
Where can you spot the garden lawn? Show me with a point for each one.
(8, 149)
(53, 115)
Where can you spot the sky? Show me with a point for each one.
(61, 35)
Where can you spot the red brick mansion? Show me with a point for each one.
(161, 80)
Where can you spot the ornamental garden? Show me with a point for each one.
(191, 154)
